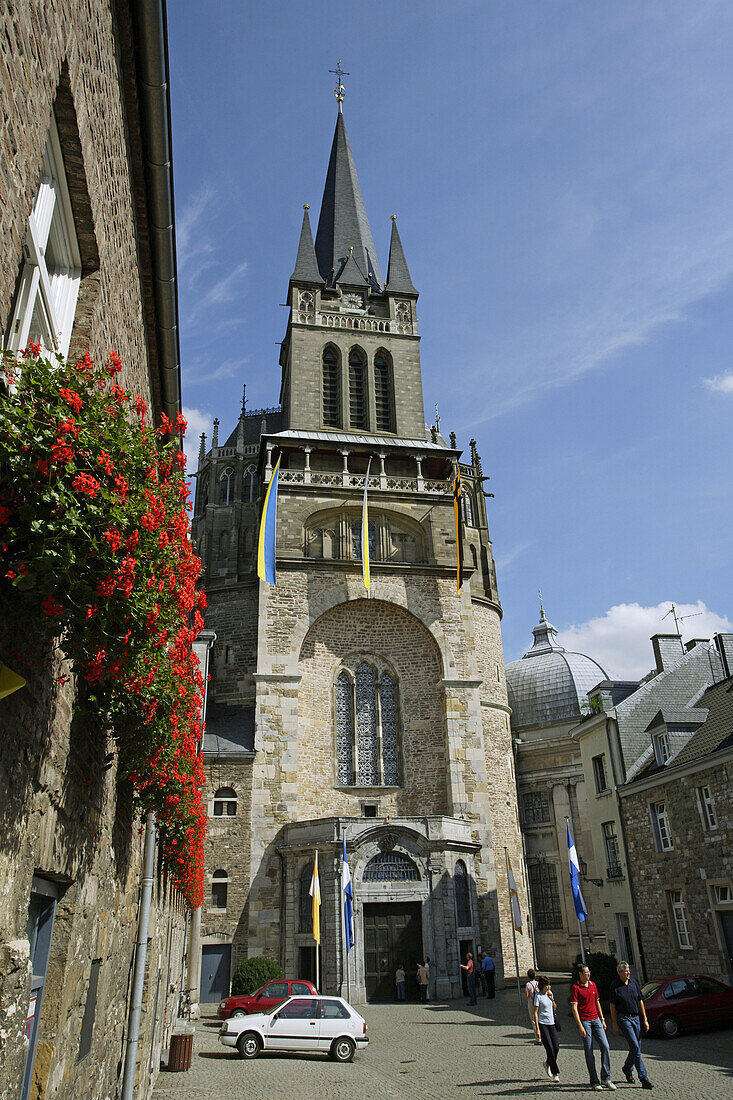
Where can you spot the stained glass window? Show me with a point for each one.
(366, 726)
(344, 731)
(463, 902)
(389, 731)
(391, 867)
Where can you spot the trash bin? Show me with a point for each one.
(181, 1050)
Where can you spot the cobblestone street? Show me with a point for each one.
(447, 1051)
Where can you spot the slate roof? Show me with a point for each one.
(343, 220)
(230, 729)
(253, 425)
(366, 440)
(678, 716)
(398, 273)
(306, 265)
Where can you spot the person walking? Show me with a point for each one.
(400, 982)
(423, 980)
(588, 1014)
(529, 992)
(628, 1017)
(488, 974)
(470, 978)
(544, 1016)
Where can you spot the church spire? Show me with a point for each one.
(398, 273)
(306, 266)
(343, 223)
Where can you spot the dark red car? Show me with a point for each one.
(266, 997)
(686, 1001)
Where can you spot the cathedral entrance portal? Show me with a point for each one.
(392, 937)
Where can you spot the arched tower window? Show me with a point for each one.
(391, 867)
(367, 721)
(390, 763)
(331, 395)
(305, 912)
(463, 901)
(357, 389)
(226, 486)
(383, 391)
(219, 889)
(250, 485)
(366, 726)
(467, 508)
(344, 728)
(225, 800)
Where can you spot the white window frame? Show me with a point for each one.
(220, 878)
(661, 827)
(707, 808)
(723, 894)
(224, 801)
(53, 290)
(679, 916)
(662, 751)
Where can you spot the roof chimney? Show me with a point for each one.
(667, 650)
(724, 646)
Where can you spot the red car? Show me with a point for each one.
(686, 1001)
(266, 997)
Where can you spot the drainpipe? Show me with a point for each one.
(141, 951)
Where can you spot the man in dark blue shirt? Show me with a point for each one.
(487, 975)
(628, 1016)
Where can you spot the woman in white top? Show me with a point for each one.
(544, 1018)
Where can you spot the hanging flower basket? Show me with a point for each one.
(94, 537)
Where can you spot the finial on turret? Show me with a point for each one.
(542, 608)
(339, 91)
(215, 434)
(202, 449)
(453, 441)
(393, 217)
(437, 418)
(244, 399)
(306, 206)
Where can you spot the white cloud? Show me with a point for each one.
(619, 640)
(721, 383)
(198, 422)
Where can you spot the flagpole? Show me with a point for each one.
(514, 931)
(346, 934)
(580, 926)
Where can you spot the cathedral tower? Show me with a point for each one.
(377, 715)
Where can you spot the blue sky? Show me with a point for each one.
(563, 179)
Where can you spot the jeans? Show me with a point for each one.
(471, 984)
(423, 993)
(400, 991)
(630, 1028)
(487, 977)
(551, 1043)
(594, 1029)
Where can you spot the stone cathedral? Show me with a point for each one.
(334, 711)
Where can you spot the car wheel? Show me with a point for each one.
(248, 1045)
(669, 1027)
(238, 1014)
(342, 1050)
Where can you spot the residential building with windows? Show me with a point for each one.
(377, 715)
(547, 690)
(628, 722)
(677, 816)
(88, 262)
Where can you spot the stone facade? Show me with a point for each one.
(70, 837)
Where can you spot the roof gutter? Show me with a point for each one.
(151, 53)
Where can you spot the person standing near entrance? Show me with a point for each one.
(488, 975)
(423, 979)
(400, 982)
(628, 1017)
(586, 1008)
(470, 978)
(544, 1017)
(529, 992)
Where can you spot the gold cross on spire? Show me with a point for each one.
(542, 609)
(339, 91)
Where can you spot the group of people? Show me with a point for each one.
(422, 976)
(484, 972)
(628, 1018)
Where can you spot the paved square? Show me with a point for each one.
(448, 1051)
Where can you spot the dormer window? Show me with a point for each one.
(662, 750)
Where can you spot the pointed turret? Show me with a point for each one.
(398, 273)
(343, 221)
(306, 265)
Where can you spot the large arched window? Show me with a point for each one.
(331, 395)
(391, 867)
(463, 901)
(367, 740)
(383, 391)
(226, 486)
(219, 889)
(250, 485)
(467, 508)
(225, 800)
(357, 389)
(305, 912)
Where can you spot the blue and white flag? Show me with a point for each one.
(580, 909)
(348, 900)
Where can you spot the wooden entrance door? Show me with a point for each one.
(392, 937)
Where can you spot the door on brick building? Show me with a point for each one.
(392, 938)
(215, 963)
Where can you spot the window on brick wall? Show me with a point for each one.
(225, 802)
(660, 827)
(679, 916)
(226, 486)
(535, 807)
(250, 485)
(707, 808)
(545, 896)
(357, 389)
(613, 852)
(48, 287)
(219, 889)
(331, 389)
(599, 773)
(383, 391)
(367, 727)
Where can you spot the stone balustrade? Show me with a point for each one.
(355, 322)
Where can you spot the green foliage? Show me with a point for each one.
(602, 970)
(253, 973)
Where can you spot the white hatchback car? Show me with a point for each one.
(327, 1024)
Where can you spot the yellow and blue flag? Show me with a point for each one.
(365, 532)
(266, 544)
(315, 893)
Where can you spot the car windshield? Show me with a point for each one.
(650, 989)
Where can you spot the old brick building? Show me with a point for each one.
(380, 715)
(88, 261)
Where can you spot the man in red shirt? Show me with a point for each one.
(588, 1014)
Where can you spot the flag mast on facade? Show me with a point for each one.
(348, 911)
(365, 534)
(315, 893)
(459, 530)
(268, 525)
(580, 910)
